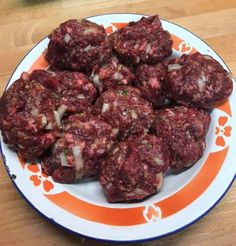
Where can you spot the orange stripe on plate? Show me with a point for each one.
(95, 213)
(134, 216)
(119, 25)
(225, 106)
(109, 30)
(40, 63)
(177, 41)
(196, 187)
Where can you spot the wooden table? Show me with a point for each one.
(24, 22)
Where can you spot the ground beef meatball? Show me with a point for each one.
(197, 80)
(111, 75)
(135, 168)
(125, 110)
(150, 81)
(27, 112)
(78, 45)
(184, 130)
(143, 41)
(80, 150)
(73, 89)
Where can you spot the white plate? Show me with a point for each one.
(185, 197)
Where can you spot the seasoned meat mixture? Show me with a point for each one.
(184, 130)
(143, 41)
(198, 81)
(135, 168)
(73, 90)
(111, 75)
(28, 122)
(78, 45)
(80, 150)
(125, 110)
(150, 80)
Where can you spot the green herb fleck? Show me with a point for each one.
(125, 92)
(66, 151)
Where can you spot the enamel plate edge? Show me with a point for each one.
(156, 217)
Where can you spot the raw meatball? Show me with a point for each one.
(73, 89)
(150, 81)
(80, 150)
(78, 45)
(184, 130)
(27, 112)
(111, 75)
(143, 41)
(125, 110)
(135, 168)
(197, 80)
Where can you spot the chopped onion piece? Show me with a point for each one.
(20, 146)
(119, 67)
(34, 111)
(115, 130)
(174, 67)
(96, 79)
(78, 158)
(118, 76)
(148, 48)
(109, 185)
(137, 59)
(44, 120)
(105, 107)
(97, 82)
(140, 191)
(188, 164)
(87, 48)
(61, 110)
(134, 115)
(67, 38)
(63, 159)
(89, 30)
(57, 118)
(109, 145)
(115, 150)
(159, 178)
(158, 161)
(202, 83)
(81, 96)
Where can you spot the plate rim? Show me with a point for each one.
(101, 239)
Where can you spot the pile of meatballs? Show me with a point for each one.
(114, 107)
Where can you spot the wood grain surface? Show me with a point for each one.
(24, 22)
